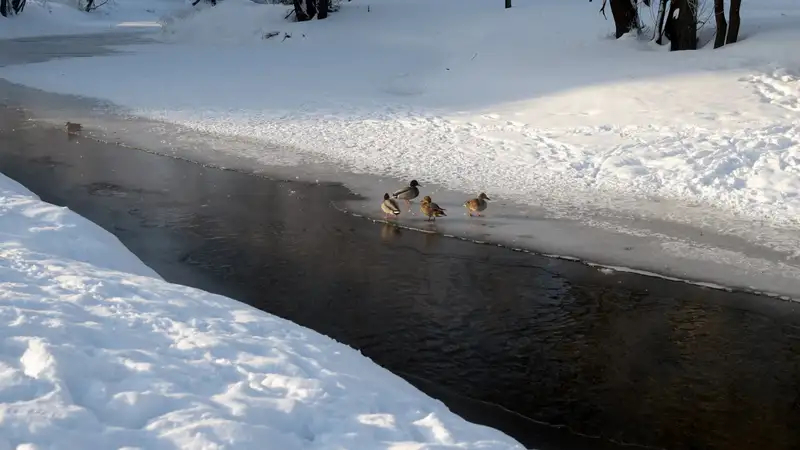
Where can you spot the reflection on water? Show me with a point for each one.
(390, 232)
(632, 359)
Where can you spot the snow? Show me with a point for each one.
(536, 105)
(97, 351)
(64, 17)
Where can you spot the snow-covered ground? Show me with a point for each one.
(536, 105)
(63, 17)
(98, 352)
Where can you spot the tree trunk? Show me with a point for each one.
(733, 30)
(323, 9)
(681, 26)
(662, 12)
(311, 8)
(299, 12)
(624, 13)
(4, 8)
(89, 4)
(508, 4)
(722, 24)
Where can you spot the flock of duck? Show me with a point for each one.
(430, 209)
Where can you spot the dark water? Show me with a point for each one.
(620, 356)
(45, 48)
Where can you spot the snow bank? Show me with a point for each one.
(64, 17)
(98, 352)
(463, 94)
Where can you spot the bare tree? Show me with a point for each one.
(678, 20)
(8, 8)
(722, 24)
(681, 26)
(311, 8)
(662, 12)
(733, 31)
(626, 16)
(299, 12)
(306, 9)
(727, 34)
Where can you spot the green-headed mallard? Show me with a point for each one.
(477, 205)
(389, 206)
(407, 193)
(430, 209)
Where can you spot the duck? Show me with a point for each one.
(477, 205)
(389, 206)
(430, 209)
(408, 193)
(73, 128)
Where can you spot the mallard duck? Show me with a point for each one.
(430, 209)
(73, 128)
(389, 206)
(477, 205)
(407, 193)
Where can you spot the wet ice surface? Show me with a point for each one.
(714, 250)
(608, 238)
